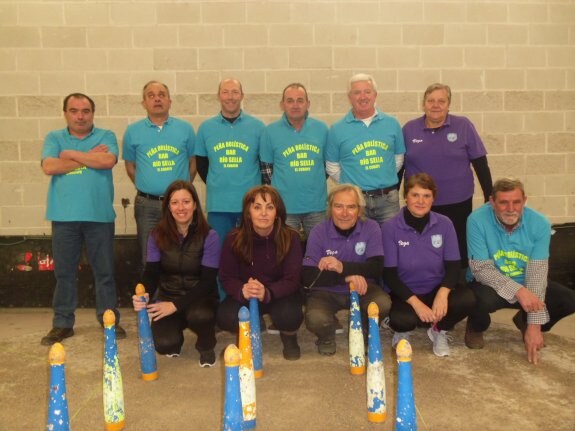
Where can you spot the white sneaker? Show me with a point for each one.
(398, 336)
(440, 341)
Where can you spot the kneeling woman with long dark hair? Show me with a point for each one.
(181, 268)
(262, 259)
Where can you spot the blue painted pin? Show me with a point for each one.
(147, 350)
(356, 345)
(233, 416)
(58, 418)
(376, 406)
(406, 419)
(256, 338)
(247, 377)
(113, 388)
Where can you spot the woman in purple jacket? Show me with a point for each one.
(262, 259)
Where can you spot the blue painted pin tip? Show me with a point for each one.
(244, 314)
(249, 425)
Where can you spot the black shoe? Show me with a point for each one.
(120, 333)
(326, 346)
(207, 358)
(56, 335)
(291, 349)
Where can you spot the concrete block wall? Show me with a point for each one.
(511, 66)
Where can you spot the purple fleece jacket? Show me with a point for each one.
(280, 280)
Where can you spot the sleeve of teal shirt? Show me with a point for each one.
(332, 147)
(191, 142)
(128, 150)
(200, 145)
(399, 142)
(266, 152)
(476, 242)
(51, 147)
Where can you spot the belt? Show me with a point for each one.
(378, 192)
(148, 196)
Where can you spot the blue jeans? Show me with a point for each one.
(148, 213)
(222, 223)
(307, 221)
(382, 208)
(67, 240)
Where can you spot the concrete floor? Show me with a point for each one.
(491, 389)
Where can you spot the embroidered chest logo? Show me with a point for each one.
(329, 252)
(416, 141)
(452, 137)
(402, 243)
(437, 240)
(360, 248)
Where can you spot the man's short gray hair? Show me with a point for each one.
(507, 184)
(359, 77)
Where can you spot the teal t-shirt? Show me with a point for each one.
(299, 163)
(488, 240)
(366, 155)
(233, 152)
(84, 194)
(162, 155)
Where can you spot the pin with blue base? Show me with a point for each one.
(406, 419)
(114, 415)
(356, 344)
(58, 418)
(376, 406)
(233, 416)
(247, 378)
(256, 338)
(147, 350)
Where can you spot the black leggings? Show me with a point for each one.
(200, 317)
(460, 302)
(458, 214)
(286, 313)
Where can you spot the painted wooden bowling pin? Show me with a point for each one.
(406, 419)
(247, 378)
(113, 389)
(58, 418)
(256, 338)
(146, 342)
(233, 417)
(376, 406)
(356, 346)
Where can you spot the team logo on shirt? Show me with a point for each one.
(437, 240)
(360, 248)
(452, 137)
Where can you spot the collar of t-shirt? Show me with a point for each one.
(231, 120)
(367, 121)
(418, 223)
(345, 232)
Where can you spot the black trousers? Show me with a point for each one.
(460, 302)
(560, 302)
(458, 214)
(286, 313)
(200, 318)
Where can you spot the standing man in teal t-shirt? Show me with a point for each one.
(227, 154)
(157, 150)
(366, 148)
(292, 155)
(79, 159)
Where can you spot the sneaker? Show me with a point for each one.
(56, 335)
(338, 327)
(473, 339)
(120, 332)
(325, 347)
(272, 330)
(207, 358)
(291, 350)
(398, 336)
(440, 341)
(172, 355)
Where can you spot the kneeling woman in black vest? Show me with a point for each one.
(180, 274)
